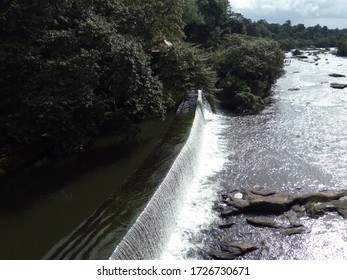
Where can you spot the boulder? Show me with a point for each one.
(276, 203)
(338, 86)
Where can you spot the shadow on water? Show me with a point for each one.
(98, 236)
(47, 203)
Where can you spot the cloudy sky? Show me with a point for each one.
(331, 13)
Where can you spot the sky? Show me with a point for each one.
(331, 13)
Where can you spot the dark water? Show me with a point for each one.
(298, 144)
(55, 200)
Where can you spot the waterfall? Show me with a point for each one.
(149, 234)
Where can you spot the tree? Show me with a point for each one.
(68, 73)
(152, 21)
(247, 67)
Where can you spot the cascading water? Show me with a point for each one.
(148, 236)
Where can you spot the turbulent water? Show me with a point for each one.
(299, 143)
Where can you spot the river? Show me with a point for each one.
(298, 143)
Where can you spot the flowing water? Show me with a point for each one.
(299, 143)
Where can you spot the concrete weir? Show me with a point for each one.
(150, 232)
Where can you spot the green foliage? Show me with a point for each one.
(151, 21)
(247, 67)
(342, 48)
(185, 67)
(68, 73)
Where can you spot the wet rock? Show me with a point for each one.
(277, 203)
(294, 230)
(262, 192)
(237, 248)
(293, 218)
(237, 203)
(230, 211)
(226, 225)
(298, 208)
(338, 86)
(222, 255)
(294, 89)
(335, 75)
(341, 206)
(263, 222)
(322, 196)
(301, 56)
(319, 209)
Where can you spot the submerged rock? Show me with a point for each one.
(294, 89)
(335, 75)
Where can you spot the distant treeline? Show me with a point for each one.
(207, 21)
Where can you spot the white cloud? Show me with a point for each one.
(295, 10)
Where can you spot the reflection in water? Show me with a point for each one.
(55, 200)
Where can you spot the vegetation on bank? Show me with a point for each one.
(73, 70)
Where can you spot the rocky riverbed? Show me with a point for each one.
(279, 213)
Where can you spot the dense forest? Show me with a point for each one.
(73, 70)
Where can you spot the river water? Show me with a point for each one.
(297, 144)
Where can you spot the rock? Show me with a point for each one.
(238, 247)
(294, 89)
(276, 203)
(294, 230)
(238, 195)
(322, 196)
(222, 255)
(341, 207)
(279, 202)
(301, 56)
(262, 192)
(319, 209)
(226, 225)
(338, 86)
(293, 219)
(298, 208)
(337, 75)
(237, 203)
(263, 222)
(229, 211)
